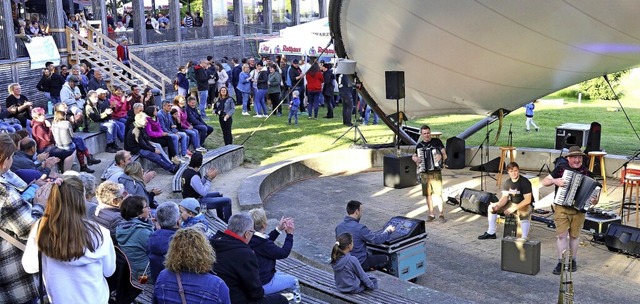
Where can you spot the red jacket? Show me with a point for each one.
(119, 105)
(314, 81)
(42, 135)
(121, 53)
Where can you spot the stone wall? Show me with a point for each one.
(166, 57)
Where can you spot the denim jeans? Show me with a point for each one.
(245, 101)
(279, 282)
(114, 129)
(194, 137)
(259, 102)
(314, 98)
(204, 131)
(221, 204)
(184, 141)
(157, 159)
(203, 102)
(367, 114)
(293, 112)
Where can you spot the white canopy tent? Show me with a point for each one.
(309, 39)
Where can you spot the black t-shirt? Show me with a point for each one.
(13, 101)
(517, 189)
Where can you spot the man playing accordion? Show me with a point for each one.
(568, 219)
(431, 176)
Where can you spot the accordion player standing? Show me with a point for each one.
(430, 156)
(568, 220)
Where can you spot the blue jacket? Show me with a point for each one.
(132, 237)
(157, 248)
(193, 116)
(267, 252)
(244, 85)
(198, 288)
(166, 121)
(529, 109)
(200, 222)
(361, 235)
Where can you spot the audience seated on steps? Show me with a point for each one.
(133, 234)
(179, 139)
(137, 142)
(29, 165)
(157, 135)
(120, 106)
(236, 263)
(189, 271)
(191, 216)
(168, 218)
(179, 115)
(72, 97)
(65, 139)
(198, 187)
(99, 111)
(45, 142)
(134, 184)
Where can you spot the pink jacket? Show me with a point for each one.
(119, 106)
(184, 123)
(153, 128)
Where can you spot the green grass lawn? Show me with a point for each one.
(274, 140)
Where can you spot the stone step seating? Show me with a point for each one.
(147, 293)
(320, 284)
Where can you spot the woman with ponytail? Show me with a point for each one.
(349, 275)
(76, 254)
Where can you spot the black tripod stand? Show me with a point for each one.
(357, 134)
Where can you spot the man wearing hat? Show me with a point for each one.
(568, 220)
(297, 80)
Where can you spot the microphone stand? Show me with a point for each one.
(482, 161)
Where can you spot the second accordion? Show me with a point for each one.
(428, 160)
(578, 191)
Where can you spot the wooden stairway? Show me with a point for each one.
(100, 51)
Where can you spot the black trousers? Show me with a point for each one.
(328, 102)
(226, 129)
(347, 108)
(165, 141)
(275, 102)
(375, 262)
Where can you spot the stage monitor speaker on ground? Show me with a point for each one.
(476, 201)
(492, 166)
(625, 239)
(399, 172)
(455, 153)
(395, 84)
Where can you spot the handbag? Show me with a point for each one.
(180, 289)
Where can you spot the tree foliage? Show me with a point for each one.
(598, 88)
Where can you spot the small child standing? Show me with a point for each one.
(294, 106)
(347, 271)
(529, 114)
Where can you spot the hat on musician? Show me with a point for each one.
(575, 151)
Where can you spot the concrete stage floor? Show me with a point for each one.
(457, 262)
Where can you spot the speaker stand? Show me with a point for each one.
(482, 163)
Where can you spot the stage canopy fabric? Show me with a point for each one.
(480, 56)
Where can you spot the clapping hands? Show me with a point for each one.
(286, 224)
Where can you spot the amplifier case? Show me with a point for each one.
(520, 255)
(599, 225)
(407, 262)
(399, 172)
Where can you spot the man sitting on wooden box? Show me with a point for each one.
(516, 199)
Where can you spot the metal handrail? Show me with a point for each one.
(74, 41)
(132, 57)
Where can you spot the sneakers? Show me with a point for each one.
(176, 160)
(189, 153)
(537, 129)
(431, 218)
(441, 219)
(487, 236)
(558, 269)
(201, 150)
(245, 113)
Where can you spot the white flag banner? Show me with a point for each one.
(41, 50)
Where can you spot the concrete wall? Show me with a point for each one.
(166, 57)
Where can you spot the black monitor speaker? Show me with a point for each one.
(395, 84)
(621, 238)
(476, 201)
